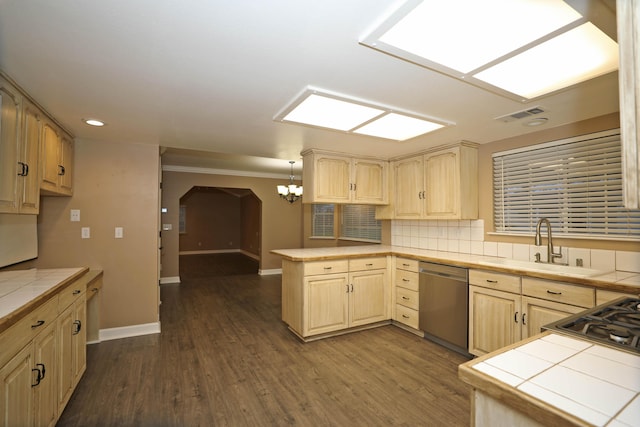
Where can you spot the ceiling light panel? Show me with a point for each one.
(573, 57)
(464, 38)
(398, 127)
(328, 112)
(466, 34)
(315, 107)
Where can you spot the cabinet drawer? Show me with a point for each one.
(407, 264)
(363, 264)
(560, 292)
(493, 280)
(407, 316)
(71, 293)
(407, 279)
(18, 335)
(407, 298)
(325, 267)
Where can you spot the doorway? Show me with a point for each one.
(220, 231)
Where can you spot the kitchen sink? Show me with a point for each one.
(543, 267)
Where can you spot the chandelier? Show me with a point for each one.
(290, 192)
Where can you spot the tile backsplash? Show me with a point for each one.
(467, 236)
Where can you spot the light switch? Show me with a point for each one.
(167, 227)
(75, 215)
(119, 233)
(86, 232)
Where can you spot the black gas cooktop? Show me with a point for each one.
(616, 323)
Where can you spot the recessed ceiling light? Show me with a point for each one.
(475, 40)
(94, 122)
(315, 107)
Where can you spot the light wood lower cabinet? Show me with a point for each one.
(321, 297)
(42, 357)
(504, 309)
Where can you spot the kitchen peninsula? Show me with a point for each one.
(500, 396)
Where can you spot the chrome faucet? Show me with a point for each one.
(551, 255)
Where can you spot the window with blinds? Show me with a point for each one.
(359, 223)
(576, 183)
(322, 220)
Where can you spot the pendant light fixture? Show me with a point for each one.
(290, 192)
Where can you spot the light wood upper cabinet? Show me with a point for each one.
(334, 178)
(29, 176)
(57, 161)
(10, 102)
(440, 184)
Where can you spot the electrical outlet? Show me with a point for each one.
(86, 232)
(119, 233)
(75, 215)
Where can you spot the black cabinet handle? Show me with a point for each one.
(76, 292)
(524, 318)
(405, 316)
(38, 376)
(553, 292)
(38, 324)
(492, 281)
(515, 317)
(41, 365)
(77, 326)
(405, 298)
(61, 170)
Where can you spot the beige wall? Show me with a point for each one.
(115, 185)
(281, 221)
(213, 222)
(485, 169)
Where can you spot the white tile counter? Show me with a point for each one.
(20, 290)
(597, 385)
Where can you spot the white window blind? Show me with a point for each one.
(576, 183)
(359, 222)
(322, 220)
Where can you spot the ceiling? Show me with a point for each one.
(211, 75)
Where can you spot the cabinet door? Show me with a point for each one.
(29, 194)
(367, 297)
(494, 319)
(326, 302)
(50, 155)
(65, 177)
(45, 393)
(332, 179)
(65, 355)
(442, 183)
(79, 333)
(9, 134)
(409, 182)
(370, 182)
(537, 313)
(16, 393)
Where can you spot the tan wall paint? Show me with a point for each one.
(213, 222)
(485, 184)
(251, 214)
(115, 185)
(281, 221)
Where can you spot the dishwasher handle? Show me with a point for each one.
(442, 270)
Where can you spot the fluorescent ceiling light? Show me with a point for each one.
(573, 57)
(338, 112)
(464, 35)
(94, 122)
(398, 127)
(463, 38)
(323, 111)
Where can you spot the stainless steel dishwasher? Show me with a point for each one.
(444, 305)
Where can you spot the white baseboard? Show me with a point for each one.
(270, 272)
(165, 280)
(129, 331)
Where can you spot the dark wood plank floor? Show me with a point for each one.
(224, 358)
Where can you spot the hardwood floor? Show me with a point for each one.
(224, 358)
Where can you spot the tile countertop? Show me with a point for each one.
(573, 381)
(23, 290)
(619, 281)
